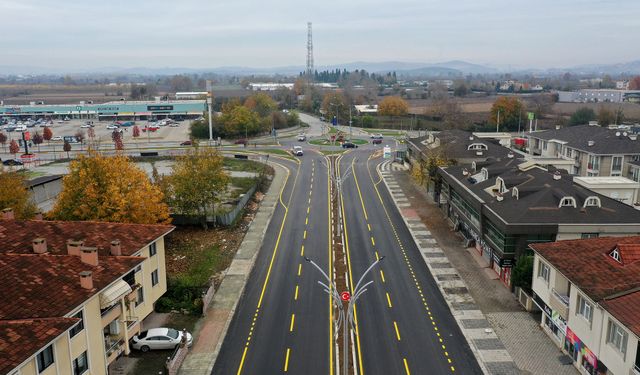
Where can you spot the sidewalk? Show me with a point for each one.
(517, 330)
(211, 329)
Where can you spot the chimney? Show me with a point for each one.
(39, 245)
(89, 255)
(86, 281)
(116, 249)
(591, 143)
(7, 214)
(73, 247)
(38, 216)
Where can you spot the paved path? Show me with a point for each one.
(518, 331)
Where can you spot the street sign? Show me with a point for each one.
(78, 108)
(531, 115)
(334, 121)
(345, 296)
(387, 152)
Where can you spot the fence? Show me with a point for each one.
(221, 219)
(174, 362)
(207, 297)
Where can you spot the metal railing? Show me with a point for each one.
(561, 297)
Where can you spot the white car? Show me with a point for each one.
(302, 137)
(111, 126)
(85, 126)
(56, 138)
(297, 151)
(159, 338)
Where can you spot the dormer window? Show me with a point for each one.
(477, 146)
(592, 202)
(568, 202)
(514, 193)
(615, 254)
(485, 174)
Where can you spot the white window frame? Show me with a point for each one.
(592, 202)
(477, 146)
(567, 202)
(584, 309)
(617, 172)
(157, 276)
(617, 337)
(544, 271)
(53, 358)
(594, 160)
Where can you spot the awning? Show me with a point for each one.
(113, 294)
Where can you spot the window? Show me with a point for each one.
(80, 364)
(154, 278)
(592, 202)
(544, 145)
(477, 146)
(594, 163)
(543, 271)
(130, 278)
(585, 236)
(152, 249)
(45, 358)
(615, 254)
(568, 202)
(78, 327)
(585, 309)
(616, 165)
(617, 337)
(140, 298)
(634, 174)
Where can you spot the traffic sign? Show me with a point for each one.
(345, 296)
(78, 108)
(531, 115)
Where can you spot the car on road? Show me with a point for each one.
(85, 126)
(174, 125)
(186, 143)
(376, 136)
(241, 142)
(112, 126)
(159, 339)
(376, 141)
(297, 151)
(57, 138)
(12, 162)
(302, 137)
(349, 145)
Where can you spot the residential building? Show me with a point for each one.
(75, 292)
(622, 85)
(502, 206)
(621, 189)
(596, 96)
(589, 292)
(366, 109)
(597, 151)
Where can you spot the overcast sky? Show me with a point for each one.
(76, 34)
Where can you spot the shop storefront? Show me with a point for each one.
(552, 322)
(584, 359)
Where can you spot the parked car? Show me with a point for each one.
(349, 145)
(377, 141)
(56, 138)
(12, 162)
(302, 137)
(159, 338)
(186, 143)
(85, 126)
(297, 151)
(112, 126)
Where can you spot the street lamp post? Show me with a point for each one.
(345, 317)
(210, 107)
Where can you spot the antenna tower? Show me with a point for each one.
(309, 53)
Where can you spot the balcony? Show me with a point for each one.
(559, 303)
(113, 346)
(635, 370)
(110, 314)
(133, 327)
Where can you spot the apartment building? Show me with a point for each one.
(589, 292)
(596, 151)
(75, 292)
(502, 206)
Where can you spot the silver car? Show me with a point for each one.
(159, 339)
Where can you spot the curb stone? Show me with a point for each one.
(201, 363)
(485, 345)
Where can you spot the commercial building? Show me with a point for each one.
(589, 292)
(75, 292)
(596, 151)
(191, 95)
(502, 206)
(597, 96)
(269, 86)
(133, 110)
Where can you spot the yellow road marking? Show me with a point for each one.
(330, 265)
(244, 354)
(382, 276)
(406, 366)
(305, 234)
(299, 269)
(295, 297)
(373, 242)
(308, 209)
(306, 221)
(286, 361)
(369, 226)
(377, 256)
(389, 300)
(302, 251)
(293, 319)
(397, 330)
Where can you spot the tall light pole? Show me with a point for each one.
(210, 105)
(345, 316)
(498, 122)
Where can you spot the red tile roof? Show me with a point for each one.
(20, 339)
(16, 235)
(47, 286)
(587, 264)
(626, 309)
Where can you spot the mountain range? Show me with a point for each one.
(454, 68)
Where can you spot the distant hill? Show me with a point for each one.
(631, 67)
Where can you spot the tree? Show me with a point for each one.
(511, 112)
(92, 134)
(181, 83)
(47, 134)
(37, 140)
(15, 194)
(634, 83)
(116, 137)
(3, 140)
(13, 147)
(334, 103)
(240, 121)
(393, 106)
(460, 89)
(136, 131)
(582, 116)
(66, 148)
(605, 116)
(110, 189)
(197, 182)
(79, 136)
(262, 103)
(522, 273)
(143, 91)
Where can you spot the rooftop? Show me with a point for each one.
(625, 309)
(16, 235)
(605, 141)
(589, 265)
(460, 144)
(20, 339)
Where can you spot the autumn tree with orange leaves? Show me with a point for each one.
(393, 106)
(109, 188)
(511, 112)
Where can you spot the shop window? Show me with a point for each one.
(617, 337)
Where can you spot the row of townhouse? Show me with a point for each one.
(503, 205)
(75, 292)
(589, 292)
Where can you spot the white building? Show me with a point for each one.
(269, 86)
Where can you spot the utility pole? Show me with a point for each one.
(498, 122)
(309, 53)
(210, 105)
(350, 121)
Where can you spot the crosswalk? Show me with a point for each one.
(393, 166)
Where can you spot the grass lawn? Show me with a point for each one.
(240, 185)
(279, 152)
(240, 165)
(333, 130)
(389, 133)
